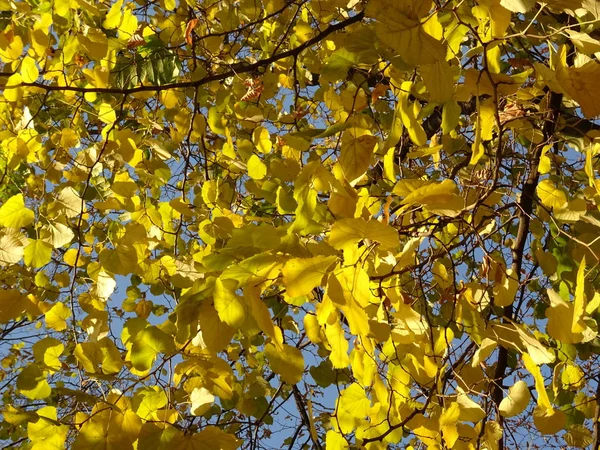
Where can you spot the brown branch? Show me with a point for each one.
(596, 445)
(525, 210)
(235, 69)
(304, 415)
(251, 24)
(400, 424)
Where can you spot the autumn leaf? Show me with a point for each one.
(14, 214)
(376, 221)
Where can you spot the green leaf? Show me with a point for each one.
(337, 65)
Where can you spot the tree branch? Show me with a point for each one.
(304, 415)
(525, 211)
(235, 69)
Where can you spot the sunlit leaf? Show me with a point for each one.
(288, 362)
(301, 275)
(517, 400)
(14, 214)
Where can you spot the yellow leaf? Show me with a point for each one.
(214, 333)
(439, 79)
(287, 362)
(257, 170)
(113, 18)
(388, 165)
(106, 113)
(450, 415)
(56, 317)
(312, 328)
(13, 213)
(56, 234)
(593, 305)
(549, 421)
(16, 416)
(13, 91)
(46, 433)
(352, 408)
(11, 248)
(505, 290)
(147, 344)
(484, 351)
(349, 289)
(450, 116)
(561, 316)
(158, 436)
(409, 115)
(356, 153)
(339, 345)
(580, 83)
(229, 306)
(171, 98)
(335, 441)
(517, 400)
(260, 312)
(447, 422)
(577, 324)
(351, 231)
(572, 377)
(68, 203)
(469, 410)
(37, 253)
(550, 195)
(108, 428)
(511, 335)
(302, 275)
(542, 400)
(47, 351)
(210, 438)
(148, 400)
(101, 357)
(401, 28)
(262, 140)
(32, 383)
(487, 118)
(121, 260)
(438, 198)
(493, 19)
(29, 70)
(201, 400)
(518, 6)
(74, 257)
(12, 304)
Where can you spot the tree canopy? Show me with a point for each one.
(299, 224)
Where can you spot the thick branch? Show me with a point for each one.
(596, 445)
(524, 216)
(235, 69)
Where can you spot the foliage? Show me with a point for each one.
(301, 223)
